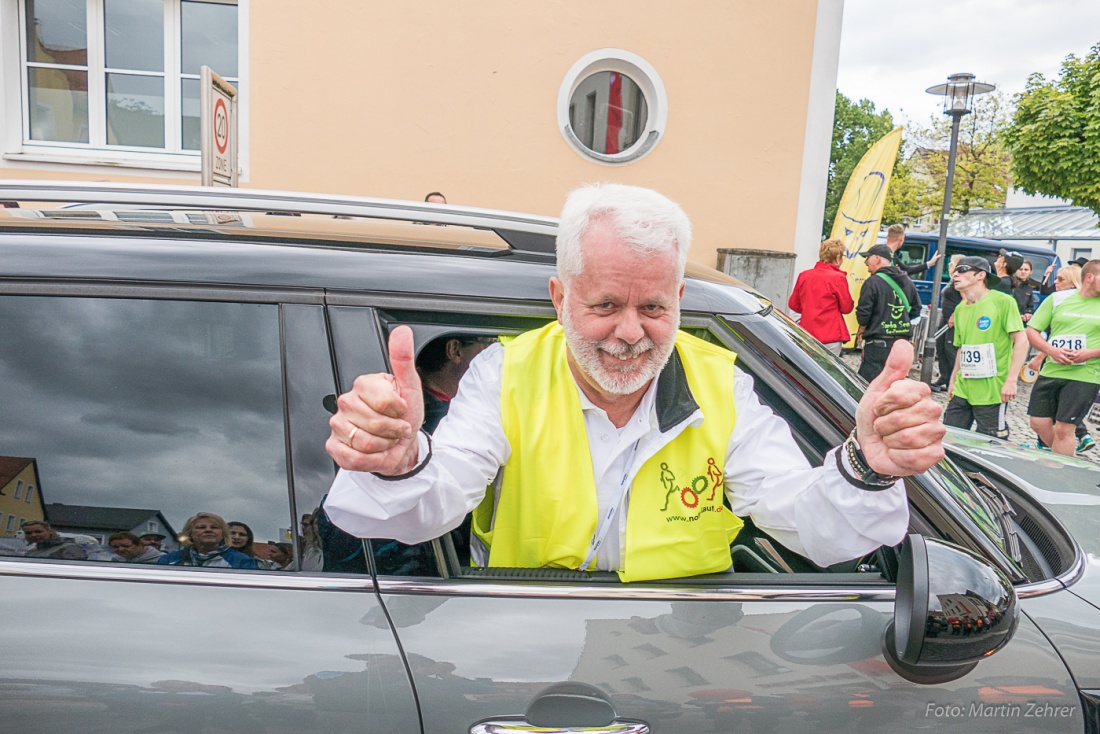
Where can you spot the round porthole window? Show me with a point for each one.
(612, 107)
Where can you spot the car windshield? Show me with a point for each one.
(945, 474)
(844, 375)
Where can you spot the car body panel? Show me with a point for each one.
(1038, 468)
(117, 657)
(710, 664)
(1072, 624)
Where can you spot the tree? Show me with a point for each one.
(1055, 134)
(983, 163)
(909, 194)
(856, 127)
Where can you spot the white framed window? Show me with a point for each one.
(152, 527)
(30, 493)
(612, 107)
(103, 78)
(10, 527)
(18, 489)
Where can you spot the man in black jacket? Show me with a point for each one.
(895, 238)
(888, 302)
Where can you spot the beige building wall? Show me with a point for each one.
(398, 99)
(401, 99)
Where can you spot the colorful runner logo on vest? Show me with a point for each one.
(691, 494)
(984, 323)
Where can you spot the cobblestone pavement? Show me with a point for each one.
(1019, 429)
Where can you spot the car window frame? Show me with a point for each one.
(279, 297)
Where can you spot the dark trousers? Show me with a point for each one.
(945, 354)
(990, 419)
(875, 353)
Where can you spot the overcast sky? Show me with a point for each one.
(891, 51)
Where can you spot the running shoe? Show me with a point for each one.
(1085, 444)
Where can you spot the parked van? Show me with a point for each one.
(920, 246)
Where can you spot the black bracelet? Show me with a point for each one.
(868, 479)
(415, 470)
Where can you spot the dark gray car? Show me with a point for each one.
(175, 351)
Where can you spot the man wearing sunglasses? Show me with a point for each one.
(992, 347)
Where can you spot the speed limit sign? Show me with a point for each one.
(218, 128)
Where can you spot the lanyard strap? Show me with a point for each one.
(605, 523)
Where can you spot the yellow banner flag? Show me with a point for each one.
(859, 215)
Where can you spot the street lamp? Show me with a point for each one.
(958, 96)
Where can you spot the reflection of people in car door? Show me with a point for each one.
(205, 538)
(582, 413)
(128, 548)
(48, 544)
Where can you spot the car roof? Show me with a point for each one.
(244, 237)
(982, 243)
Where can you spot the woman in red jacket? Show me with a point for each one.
(821, 295)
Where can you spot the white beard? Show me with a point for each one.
(624, 380)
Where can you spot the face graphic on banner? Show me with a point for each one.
(858, 232)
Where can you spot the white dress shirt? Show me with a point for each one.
(816, 512)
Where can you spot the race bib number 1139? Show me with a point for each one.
(977, 361)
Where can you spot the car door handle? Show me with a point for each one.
(570, 707)
(508, 725)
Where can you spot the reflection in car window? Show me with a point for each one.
(970, 499)
(851, 383)
(913, 252)
(132, 416)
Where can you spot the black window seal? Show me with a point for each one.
(158, 291)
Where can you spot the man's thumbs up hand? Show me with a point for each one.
(897, 422)
(376, 424)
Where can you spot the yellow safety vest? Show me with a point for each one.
(546, 513)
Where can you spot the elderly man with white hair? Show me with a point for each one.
(590, 432)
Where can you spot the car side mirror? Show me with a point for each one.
(951, 610)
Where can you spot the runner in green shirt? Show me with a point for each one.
(992, 348)
(1070, 379)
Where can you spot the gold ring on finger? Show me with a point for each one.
(351, 435)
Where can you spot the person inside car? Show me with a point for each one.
(441, 364)
(595, 415)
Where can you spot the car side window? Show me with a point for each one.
(152, 431)
(443, 343)
(913, 252)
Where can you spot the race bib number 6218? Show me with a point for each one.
(1073, 342)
